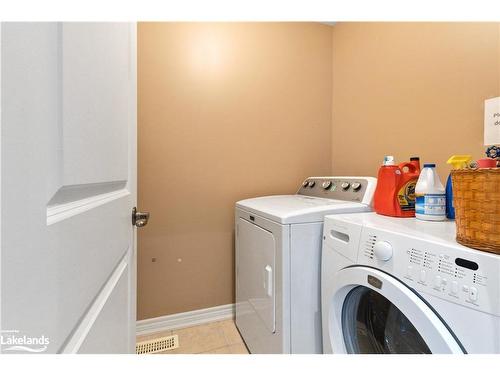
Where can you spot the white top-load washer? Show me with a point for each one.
(393, 285)
(278, 260)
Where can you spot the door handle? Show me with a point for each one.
(139, 219)
(268, 280)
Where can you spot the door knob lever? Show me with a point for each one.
(139, 219)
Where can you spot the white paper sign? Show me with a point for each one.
(492, 121)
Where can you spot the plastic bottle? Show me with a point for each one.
(457, 161)
(415, 160)
(388, 160)
(430, 195)
(395, 192)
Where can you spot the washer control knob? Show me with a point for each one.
(382, 250)
(312, 183)
(345, 185)
(305, 183)
(326, 184)
(356, 186)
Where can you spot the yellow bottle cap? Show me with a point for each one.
(459, 161)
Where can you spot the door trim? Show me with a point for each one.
(429, 325)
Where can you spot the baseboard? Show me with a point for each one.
(185, 319)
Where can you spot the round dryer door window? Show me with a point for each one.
(371, 324)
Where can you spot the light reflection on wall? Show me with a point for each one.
(208, 52)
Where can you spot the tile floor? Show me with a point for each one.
(211, 338)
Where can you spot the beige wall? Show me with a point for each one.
(230, 111)
(410, 89)
(226, 112)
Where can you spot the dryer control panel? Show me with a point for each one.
(452, 272)
(352, 189)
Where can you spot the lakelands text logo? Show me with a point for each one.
(13, 341)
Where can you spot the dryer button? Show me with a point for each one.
(454, 287)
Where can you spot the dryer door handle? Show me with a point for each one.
(268, 280)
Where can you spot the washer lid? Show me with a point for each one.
(291, 209)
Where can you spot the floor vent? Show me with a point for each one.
(157, 345)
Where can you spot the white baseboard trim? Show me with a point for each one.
(185, 319)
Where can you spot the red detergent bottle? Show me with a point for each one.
(395, 192)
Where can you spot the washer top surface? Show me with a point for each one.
(317, 197)
(437, 232)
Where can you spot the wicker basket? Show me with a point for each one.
(476, 197)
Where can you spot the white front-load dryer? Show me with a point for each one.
(278, 261)
(392, 285)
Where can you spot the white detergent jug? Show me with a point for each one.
(430, 202)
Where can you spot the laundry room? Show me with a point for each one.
(232, 111)
(235, 190)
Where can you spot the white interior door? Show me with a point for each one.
(68, 186)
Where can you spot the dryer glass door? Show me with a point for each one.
(373, 324)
